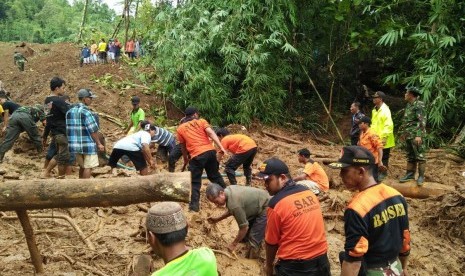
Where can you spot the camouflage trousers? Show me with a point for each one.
(394, 269)
(20, 65)
(415, 153)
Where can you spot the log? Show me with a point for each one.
(112, 119)
(324, 141)
(412, 190)
(97, 192)
(31, 241)
(326, 161)
(443, 154)
(279, 137)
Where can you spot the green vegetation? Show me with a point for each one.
(47, 21)
(244, 60)
(241, 61)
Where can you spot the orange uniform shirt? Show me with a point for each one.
(193, 134)
(295, 224)
(238, 143)
(371, 141)
(316, 174)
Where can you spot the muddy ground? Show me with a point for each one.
(437, 224)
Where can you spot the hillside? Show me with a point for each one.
(437, 224)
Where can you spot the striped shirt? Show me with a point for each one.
(163, 137)
(80, 123)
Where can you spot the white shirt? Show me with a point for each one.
(134, 141)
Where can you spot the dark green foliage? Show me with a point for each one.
(435, 60)
(242, 60)
(229, 58)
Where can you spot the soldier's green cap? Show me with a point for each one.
(414, 90)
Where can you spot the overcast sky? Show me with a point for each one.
(114, 4)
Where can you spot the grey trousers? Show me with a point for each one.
(19, 122)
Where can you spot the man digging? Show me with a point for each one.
(248, 206)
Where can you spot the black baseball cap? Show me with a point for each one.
(365, 119)
(135, 100)
(86, 93)
(190, 111)
(354, 156)
(379, 94)
(272, 166)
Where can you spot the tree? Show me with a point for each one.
(84, 14)
(47, 21)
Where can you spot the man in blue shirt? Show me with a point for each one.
(82, 130)
(356, 116)
(85, 55)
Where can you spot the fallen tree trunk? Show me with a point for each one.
(412, 190)
(443, 154)
(279, 137)
(101, 192)
(323, 141)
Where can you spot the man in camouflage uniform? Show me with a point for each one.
(23, 119)
(412, 131)
(19, 60)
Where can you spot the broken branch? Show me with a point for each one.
(279, 137)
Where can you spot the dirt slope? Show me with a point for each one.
(437, 225)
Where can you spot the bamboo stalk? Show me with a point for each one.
(323, 103)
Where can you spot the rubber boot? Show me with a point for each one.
(421, 173)
(248, 180)
(411, 168)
